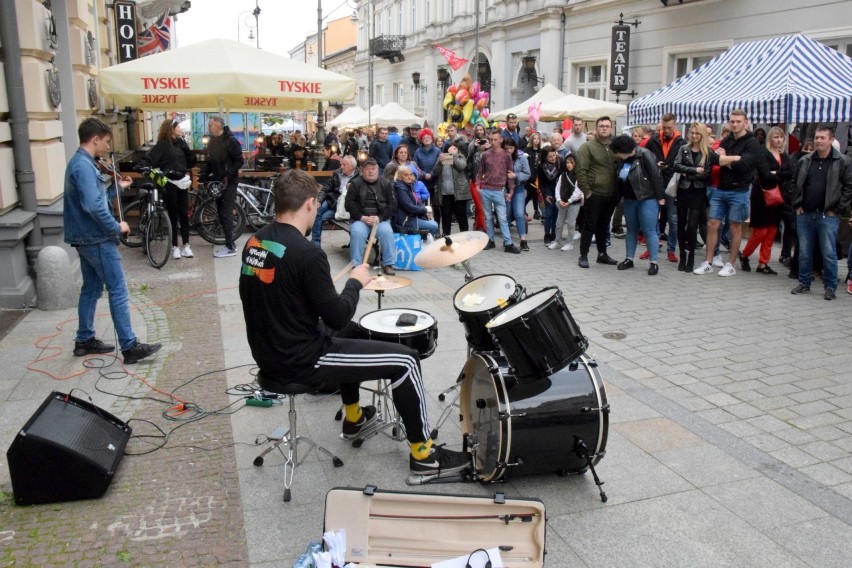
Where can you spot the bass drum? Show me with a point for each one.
(526, 428)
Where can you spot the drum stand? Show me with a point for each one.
(388, 417)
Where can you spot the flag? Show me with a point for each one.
(454, 60)
(157, 37)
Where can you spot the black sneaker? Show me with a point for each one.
(625, 264)
(93, 346)
(440, 461)
(829, 294)
(351, 430)
(139, 352)
(490, 245)
(583, 262)
(653, 269)
(606, 259)
(800, 289)
(537, 215)
(512, 249)
(745, 264)
(525, 246)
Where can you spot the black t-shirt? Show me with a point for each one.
(813, 195)
(285, 288)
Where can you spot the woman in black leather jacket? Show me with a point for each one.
(641, 186)
(693, 163)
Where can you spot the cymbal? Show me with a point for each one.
(451, 250)
(388, 283)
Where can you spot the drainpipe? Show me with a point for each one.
(561, 49)
(18, 121)
(130, 122)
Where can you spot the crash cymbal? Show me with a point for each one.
(450, 250)
(388, 283)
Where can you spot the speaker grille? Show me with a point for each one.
(93, 436)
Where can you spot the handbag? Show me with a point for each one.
(671, 188)
(772, 197)
(407, 246)
(340, 213)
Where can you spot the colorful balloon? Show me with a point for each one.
(448, 100)
(474, 89)
(452, 89)
(462, 96)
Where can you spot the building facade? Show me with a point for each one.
(524, 43)
(52, 51)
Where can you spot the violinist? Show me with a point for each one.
(172, 153)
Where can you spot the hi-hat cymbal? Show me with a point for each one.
(451, 250)
(388, 283)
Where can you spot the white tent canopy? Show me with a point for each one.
(584, 108)
(352, 116)
(546, 94)
(220, 73)
(392, 114)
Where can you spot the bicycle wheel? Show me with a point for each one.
(158, 238)
(210, 229)
(133, 215)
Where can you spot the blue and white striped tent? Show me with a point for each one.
(789, 79)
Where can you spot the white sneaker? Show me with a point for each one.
(568, 246)
(553, 245)
(705, 268)
(577, 235)
(187, 252)
(718, 262)
(727, 270)
(223, 252)
(175, 253)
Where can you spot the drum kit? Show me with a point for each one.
(530, 401)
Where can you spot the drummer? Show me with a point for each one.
(286, 289)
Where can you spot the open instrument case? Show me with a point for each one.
(394, 528)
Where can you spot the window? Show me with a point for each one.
(413, 16)
(419, 97)
(379, 97)
(399, 29)
(428, 12)
(683, 64)
(452, 8)
(388, 15)
(398, 93)
(591, 80)
(362, 97)
(377, 23)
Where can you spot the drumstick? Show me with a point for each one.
(370, 240)
(346, 269)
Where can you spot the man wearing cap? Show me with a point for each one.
(371, 200)
(411, 139)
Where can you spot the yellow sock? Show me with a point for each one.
(353, 412)
(420, 450)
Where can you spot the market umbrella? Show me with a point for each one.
(545, 94)
(584, 108)
(221, 74)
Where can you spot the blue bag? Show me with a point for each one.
(407, 247)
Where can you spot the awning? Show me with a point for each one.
(788, 79)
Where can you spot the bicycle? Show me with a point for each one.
(148, 219)
(258, 204)
(205, 216)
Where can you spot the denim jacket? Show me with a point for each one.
(86, 213)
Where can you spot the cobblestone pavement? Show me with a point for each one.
(730, 442)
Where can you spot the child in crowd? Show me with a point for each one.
(569, 199)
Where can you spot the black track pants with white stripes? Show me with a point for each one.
(351, 361)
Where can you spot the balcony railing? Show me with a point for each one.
(388, 47)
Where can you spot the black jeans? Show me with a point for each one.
(689, 223)
(177, 204)
(789, 242)
(449, 206)
(226, 203)
(598, 212)
(351, 361)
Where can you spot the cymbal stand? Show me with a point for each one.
(445, 414)
(469, 276)
(379, 294)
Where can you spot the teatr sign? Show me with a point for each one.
(620, 58)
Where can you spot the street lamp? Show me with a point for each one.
(415, 80)
(243, 19)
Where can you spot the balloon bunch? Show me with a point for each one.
(467, 103)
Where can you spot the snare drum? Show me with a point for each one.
(514, 428)
(538, 335)
(382, 325)
(478, 301)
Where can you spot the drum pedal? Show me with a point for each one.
(415, 479)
